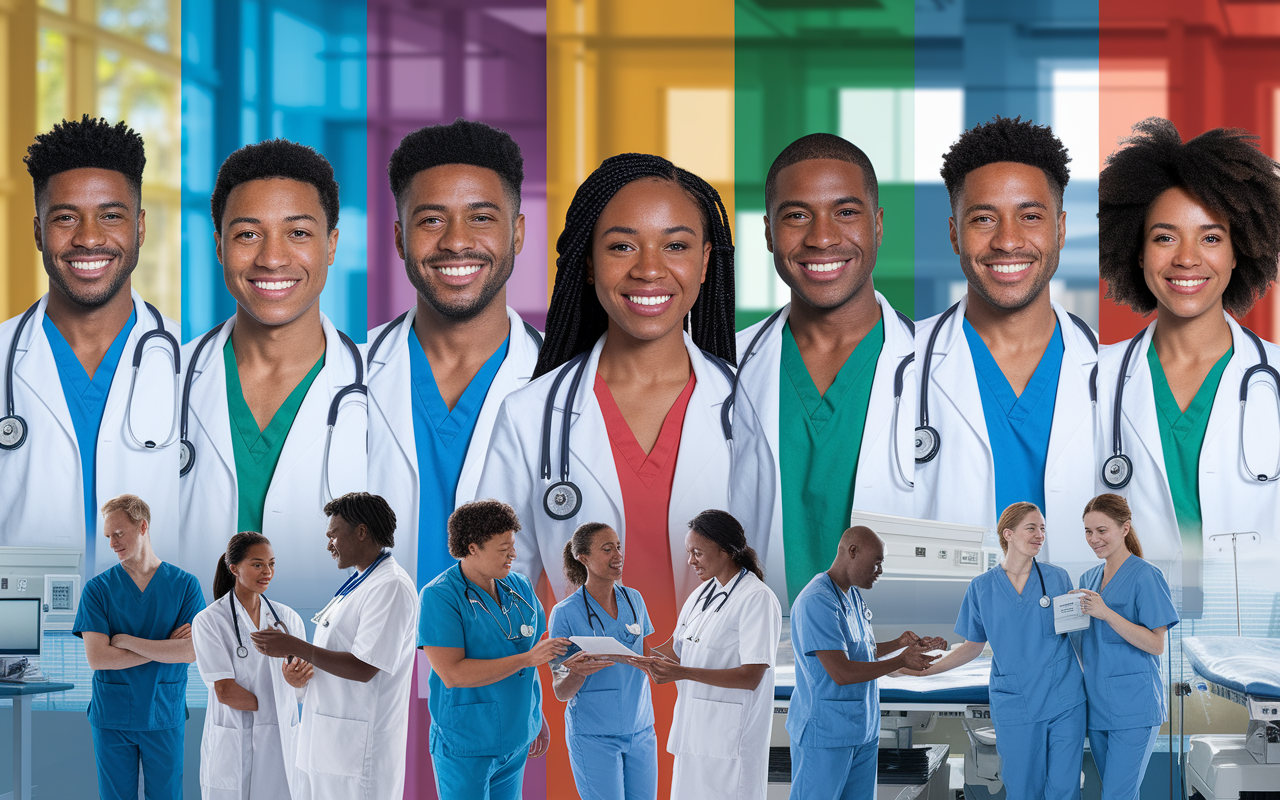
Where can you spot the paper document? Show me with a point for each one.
(1067, 615)
(602, 646)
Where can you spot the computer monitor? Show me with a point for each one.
(19, 627)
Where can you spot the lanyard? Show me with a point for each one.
(350, 585)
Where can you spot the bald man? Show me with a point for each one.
(834, 720)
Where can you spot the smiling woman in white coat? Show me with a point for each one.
(1188, 429)
(626, 425)
(275, 411)
(250, 737)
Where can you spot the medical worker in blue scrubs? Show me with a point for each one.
(1037, 689)
(834, 719)
(479, 625)
(135, 619)
(1132, 611)
(608, 721)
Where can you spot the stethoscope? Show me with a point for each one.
(350, 585)
(187, 451)
(898, 382)
(13, 428)
(1044, 592)
(928, 440)
(866, 612)
(525, 629)
(563, 499)
(241, 650)
(1117, 470)
(708, 596)
(633, 627)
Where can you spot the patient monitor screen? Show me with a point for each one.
(20, 627)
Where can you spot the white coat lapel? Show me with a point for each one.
(35, 366)
(393, 397)
(588, 444)
(1072, 414)
(1226, 404)
(896, 347)
(209, 402)
(953, 378)
(153, 397)
(1138, 408)
(758, 382)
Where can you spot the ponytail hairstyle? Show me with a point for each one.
(1116, 508)
(724, 530)
(1011, 518)
(580, 545)
(237, 551)
(576, 319)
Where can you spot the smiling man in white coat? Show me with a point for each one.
(276, 407)
(72, 433)
(438, 373)
(1006, 413)
(830, 375)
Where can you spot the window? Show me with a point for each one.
(904, 132)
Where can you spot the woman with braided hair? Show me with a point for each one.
(639, 347)
(1190, 231)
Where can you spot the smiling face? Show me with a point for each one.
(1104, 535)
(1186, 256)
(604, 561)
(126, 537)
(275, 248)
(255, 570)
(89, 231)
(1027, 537)
(823, 233)
(707, 558)
(494, 558)
(459, 234)
(1008, 232)
(345, 544)
(648, 258)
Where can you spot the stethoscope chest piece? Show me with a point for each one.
(13, 432)
(562, 500)
(866, 613)
(1116, 471)
(1044, 601)
(186, 456)
(242, 651)
(633, 628)
(927, 441)
(526, 631)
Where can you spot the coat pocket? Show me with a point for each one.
(169, 705)
(473, 729)
(599, 713)
(711, 728)
(221, 757)
(338, 746)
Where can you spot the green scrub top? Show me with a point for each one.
(258, 451)
(819, 437)
(1181, 436)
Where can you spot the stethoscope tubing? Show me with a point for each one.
(468, 589)
(241, 650)
(591, 613)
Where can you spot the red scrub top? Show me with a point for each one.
(646, 481)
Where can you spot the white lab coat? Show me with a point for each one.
(393, 474)
(959, 484)
(294, 518)
(42, 493)
(879, 485)
(351, 745)
(702, 477)
(1230, 499)
(720, 737)
(246, 754)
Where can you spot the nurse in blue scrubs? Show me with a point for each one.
(1132, 609)
(609, 717)
(479, 625)
(1037, 689)
(135, 619)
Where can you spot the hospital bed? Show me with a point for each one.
(1247, 672)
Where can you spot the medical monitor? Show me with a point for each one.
(19, 627)
(50, 575)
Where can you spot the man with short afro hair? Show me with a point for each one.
(1191, 231)
(1006, 407)
(71, 352)
(276, 415)
(439, 372)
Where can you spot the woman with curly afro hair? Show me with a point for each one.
(622, 423)
(1191, 231)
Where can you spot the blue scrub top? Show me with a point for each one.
(824, 714)
(484, 720)
(1122, 682)
(1034, 672)
(614, 701)
(87, 402)
(150, 696)
(1018, 426)
(442, 437)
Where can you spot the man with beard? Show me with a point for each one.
(439, 372)
(826, 372)
(1006, 412)
(76, 427)
(276, 411)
